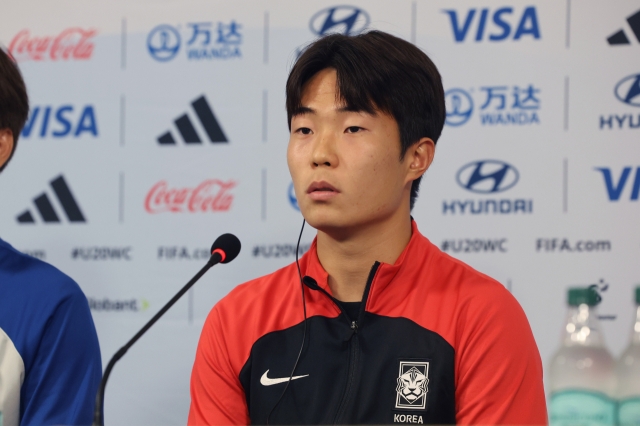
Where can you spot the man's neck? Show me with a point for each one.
(348, 259)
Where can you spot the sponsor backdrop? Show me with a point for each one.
(156, 126)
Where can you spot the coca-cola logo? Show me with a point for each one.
(212, 195)
(72, 43)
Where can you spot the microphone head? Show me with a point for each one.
(310, 282)
(228, 244)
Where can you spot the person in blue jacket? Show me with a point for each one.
(50, 366)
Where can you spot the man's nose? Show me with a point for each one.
(324, 151)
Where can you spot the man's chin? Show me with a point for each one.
(334, 224)
(325, 221)
(341, 224)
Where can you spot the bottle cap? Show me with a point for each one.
(638, 295)
(583, 295)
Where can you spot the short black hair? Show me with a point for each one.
(14, 102)
(377, 71)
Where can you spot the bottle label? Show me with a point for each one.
(581, 407)
(629, 412)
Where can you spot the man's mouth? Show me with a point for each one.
(322, 191)
(321, 186)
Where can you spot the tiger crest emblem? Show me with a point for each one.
(412, 388)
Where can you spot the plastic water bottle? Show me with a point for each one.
(628, 374)
(581, 375)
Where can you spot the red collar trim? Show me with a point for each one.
(310, 265)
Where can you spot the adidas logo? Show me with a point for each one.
(46, 209)
(620, 37)
(189, 133)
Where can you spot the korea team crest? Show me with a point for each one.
(413, 379)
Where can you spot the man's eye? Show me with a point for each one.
(304, 130)
(353, 129)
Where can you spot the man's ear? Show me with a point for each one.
(419, 157)
(6, 145)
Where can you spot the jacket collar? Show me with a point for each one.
(416, 248)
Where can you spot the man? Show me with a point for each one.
(397, 331)
(50, 365)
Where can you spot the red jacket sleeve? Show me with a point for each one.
(217, 397)
(499, 372)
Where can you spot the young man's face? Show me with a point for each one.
(345, 165)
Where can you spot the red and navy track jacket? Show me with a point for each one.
(435, 342)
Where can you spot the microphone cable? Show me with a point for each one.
(304, 333)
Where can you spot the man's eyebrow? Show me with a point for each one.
(348, 108)
(301, 110)
(307, 110)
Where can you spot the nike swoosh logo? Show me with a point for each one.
(266, 381)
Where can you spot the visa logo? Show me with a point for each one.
(494, 25)
(60, 122)
(615, 189)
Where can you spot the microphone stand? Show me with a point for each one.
(97, 413)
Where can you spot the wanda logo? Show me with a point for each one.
(212, 195)
(72, 43)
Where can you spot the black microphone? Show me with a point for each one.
(223, 250)
(310, 282)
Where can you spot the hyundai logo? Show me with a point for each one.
(459, 107)
(487, 176)
(347, 20)
(628, 90)
(163, 43)
(292, 197)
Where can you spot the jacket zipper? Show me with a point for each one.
(353, 364)
(353, 347)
